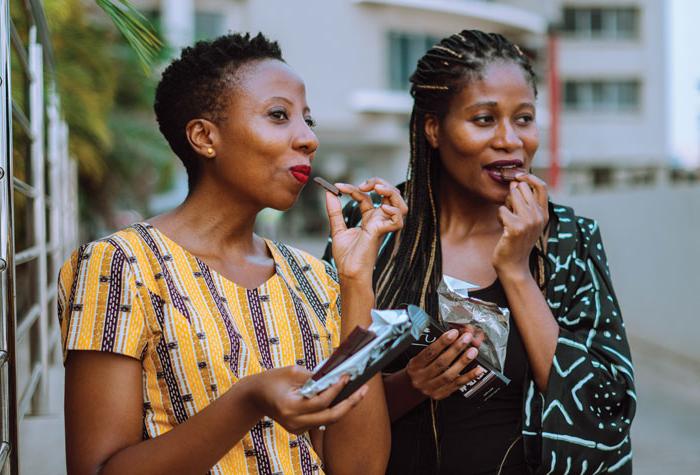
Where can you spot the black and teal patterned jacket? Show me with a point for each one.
(581, 424)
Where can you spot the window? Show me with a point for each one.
(405, 49)
(615, 96)
(610, 23)
(208, 25)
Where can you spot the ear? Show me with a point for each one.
(203, 136)
(432, 130)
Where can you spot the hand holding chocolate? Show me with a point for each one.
(366, 352)
(459, 310)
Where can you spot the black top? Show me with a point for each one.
(472, 437)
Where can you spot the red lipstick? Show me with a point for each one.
(301, 173)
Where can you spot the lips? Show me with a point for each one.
(502, 171)
(301, 173)
(505, 164)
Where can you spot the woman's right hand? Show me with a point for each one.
(435, 371)
(276, 395)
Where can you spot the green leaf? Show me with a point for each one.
(135, 28)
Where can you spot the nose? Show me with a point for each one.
(507, 137)
(305, 139)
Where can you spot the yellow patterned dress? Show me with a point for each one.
(139, 294)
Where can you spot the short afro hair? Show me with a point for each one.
(191, 87)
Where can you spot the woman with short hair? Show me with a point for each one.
(186, 337)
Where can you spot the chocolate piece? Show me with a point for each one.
(328, 186)
(509, 174)
(357, 339)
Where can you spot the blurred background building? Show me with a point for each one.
(619, 113)
(629, 90)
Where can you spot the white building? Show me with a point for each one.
(630, 84)
(630, 99)
(355, 57)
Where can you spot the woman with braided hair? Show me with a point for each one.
(186, 338)
(477, 214)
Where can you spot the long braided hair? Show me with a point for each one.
(414, 269)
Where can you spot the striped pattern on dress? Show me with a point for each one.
(139, 294)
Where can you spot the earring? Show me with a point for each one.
(210, 151)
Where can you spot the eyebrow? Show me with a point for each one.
(306, 109)
(495, 104)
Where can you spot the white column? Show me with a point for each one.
(177, 20)
(40, 355)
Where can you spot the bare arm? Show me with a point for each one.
(104, 417)
(365, 430)
(104, 422)
(535, 322)
(433, 373)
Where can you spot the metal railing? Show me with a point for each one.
(38, 219)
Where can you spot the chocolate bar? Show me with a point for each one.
(356, 340)
(327, 186)
(510, 174)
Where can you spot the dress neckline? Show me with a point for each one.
(479, 289)
(212, 271)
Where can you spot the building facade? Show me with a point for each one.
(630, 89)
(629, 98)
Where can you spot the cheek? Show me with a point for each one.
(256, 153)
(531, 143)
(467, 140)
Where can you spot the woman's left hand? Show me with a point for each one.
(355, 249)
(524, 218)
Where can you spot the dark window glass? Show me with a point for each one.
(405, 49)
(569, 19)
(614, 23)
(602, 95)
(627, 22)
(596, 15)
(207, 25)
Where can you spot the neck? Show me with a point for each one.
(463, 213)
(210, 222)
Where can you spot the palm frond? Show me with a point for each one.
(135, 28)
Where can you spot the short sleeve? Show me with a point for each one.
(334, 309)
(99, 304)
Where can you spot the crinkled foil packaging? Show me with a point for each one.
(457, 308)
(390, 326)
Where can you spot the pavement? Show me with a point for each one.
(666, 430)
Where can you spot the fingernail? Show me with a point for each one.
(518, 175)
(466, 338)
(364, 390)
(452, 334)
(472, 352)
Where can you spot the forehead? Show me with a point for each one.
(261, 80)
(498, 82)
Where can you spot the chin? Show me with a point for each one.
(497, 198)
(282, 203)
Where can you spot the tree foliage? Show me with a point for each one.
(107, 102)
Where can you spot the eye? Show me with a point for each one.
(279, 114)
(483, 119)
(310, 121)
(525, 119)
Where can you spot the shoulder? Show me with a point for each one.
(123, 248)
(569, 225)
(297, 260)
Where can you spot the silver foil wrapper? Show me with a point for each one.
(457, 309)
(389, 326)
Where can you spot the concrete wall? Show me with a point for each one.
(652, 239)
